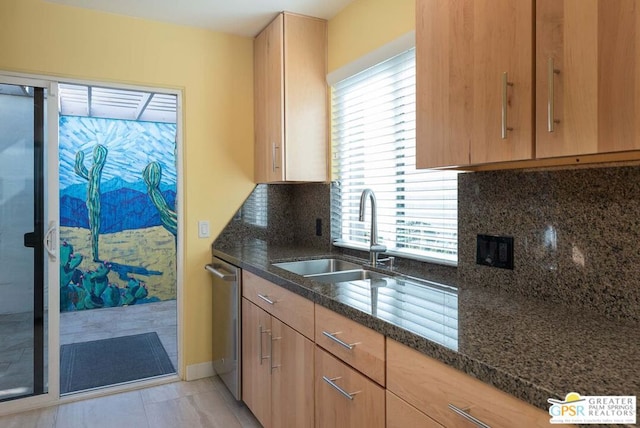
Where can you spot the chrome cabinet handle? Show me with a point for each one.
(266, 299)
(331, 336)
(260, 333)
(331, 382)
(551, 72)
(272, 354)
(505, 85)
(468, 417)
(273, 157)
(274, 164)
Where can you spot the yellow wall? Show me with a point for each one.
(215, 72)
(365, 25)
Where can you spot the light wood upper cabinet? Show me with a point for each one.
(463, 50)
(595, 90)
(586, 87)
(290, 96)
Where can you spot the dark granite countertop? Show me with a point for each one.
(532, 349)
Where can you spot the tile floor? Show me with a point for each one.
(16, 336)
(204, 403)
(16, 354)
(161, 317)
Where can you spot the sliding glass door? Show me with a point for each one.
(22, 234)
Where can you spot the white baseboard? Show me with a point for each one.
(199, 371)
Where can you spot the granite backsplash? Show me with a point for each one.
(284, 214)
(576, 232)
(576, 235)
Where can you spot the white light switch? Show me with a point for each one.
(203, 229)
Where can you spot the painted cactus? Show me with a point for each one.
(93, 176)
(94, 283)
(152, 175)
(69, 262)
(135, 291)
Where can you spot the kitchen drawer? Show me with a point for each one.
(355, 344)
(400, 414)
(431, 386)
(288, 307)
(352, 401)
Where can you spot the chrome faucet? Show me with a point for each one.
(374, 247)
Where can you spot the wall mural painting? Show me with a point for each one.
(118, 222)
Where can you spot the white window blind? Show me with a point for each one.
(254, 209)
(373, 139)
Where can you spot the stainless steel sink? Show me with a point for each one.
(352, 275)
(318, 266)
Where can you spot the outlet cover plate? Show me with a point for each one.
(495, 251)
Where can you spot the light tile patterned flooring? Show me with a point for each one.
(204, 403)
(83, 326)
(16, 335)
(16, 354)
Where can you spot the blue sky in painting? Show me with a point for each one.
(132, 146)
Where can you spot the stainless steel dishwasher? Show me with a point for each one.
(226, 323)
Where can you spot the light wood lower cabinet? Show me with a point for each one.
(256, 370)
(277, 370)
(432, 387)
(344, 397)
(292, 378)
(355, 344)
(400, 414)
(290, 381)
(293, 309)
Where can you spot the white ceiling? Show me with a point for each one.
(241, 17)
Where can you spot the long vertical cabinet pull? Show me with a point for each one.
(274, 151)
(260, 333)
(551, 72)
(505, 85)
(273, 367)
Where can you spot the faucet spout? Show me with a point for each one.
(374, 247)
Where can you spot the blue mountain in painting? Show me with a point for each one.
(124, 206)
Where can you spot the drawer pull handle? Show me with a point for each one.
(331, 382)
(468, 417)
(266, 299)
(332, 336)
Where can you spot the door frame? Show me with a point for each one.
(52, 214)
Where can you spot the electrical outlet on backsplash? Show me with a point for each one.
(577, 235)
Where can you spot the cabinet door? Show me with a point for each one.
(305, 89)
(256, 361)
(402, 415)
(463, 50)
(269, 103)
(431, 386)
(594, 93)
(351, 401)
(292, 377)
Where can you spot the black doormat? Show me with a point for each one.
(105, 362)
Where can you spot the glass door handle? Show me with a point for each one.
(50, 238)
